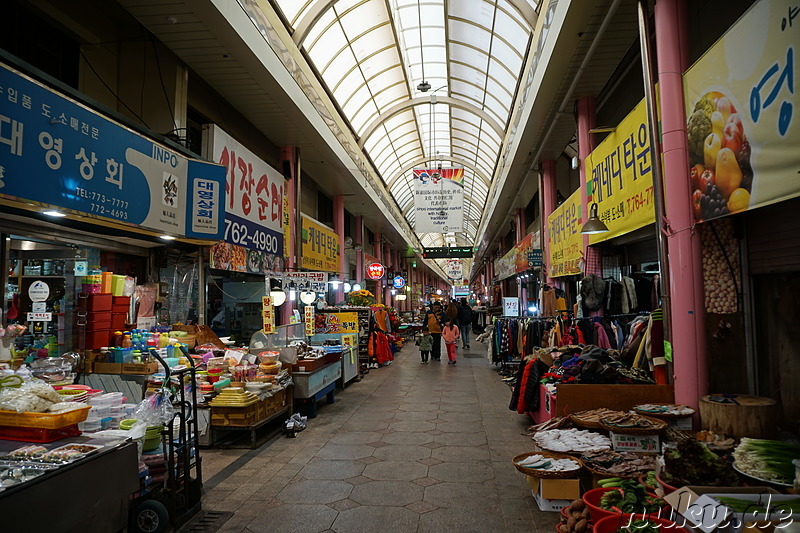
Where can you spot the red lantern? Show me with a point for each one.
(375, 271)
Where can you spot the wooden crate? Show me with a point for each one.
(235, 416)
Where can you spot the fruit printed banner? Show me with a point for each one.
(564, 238)
(740, 103)
(619, 177)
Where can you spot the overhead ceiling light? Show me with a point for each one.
(166, 237)
(594, 224)
(52, 213)
(424, 87)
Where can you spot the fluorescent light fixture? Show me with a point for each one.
(166, 237)
(292, 291)
(53, 213)
(533, 309)
(278, 297)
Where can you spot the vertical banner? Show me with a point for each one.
(740, 100)
(439, 200)
(564, 239)
(267, 315)
(320, 246)
(510, 306)
(619, 177)
(310, 317)
(255, 194)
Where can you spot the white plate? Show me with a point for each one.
(751, 476)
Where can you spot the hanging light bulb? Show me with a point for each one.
(357, 287)
(335, 281)
(292, 291)
(276, 293)
(307, 297)
(347, 287)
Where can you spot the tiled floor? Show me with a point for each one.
(411, 448)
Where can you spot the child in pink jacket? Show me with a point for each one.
(450, 335)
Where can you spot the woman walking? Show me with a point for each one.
(450, 335)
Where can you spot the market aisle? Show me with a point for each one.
(410, 448)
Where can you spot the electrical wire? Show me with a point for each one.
(91, 67)
(163, 85)
(421, 55)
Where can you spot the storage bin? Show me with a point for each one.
(99, 302)
(39, 435)
(98, 339)
(118, 320)
(121, 303)
(97, 321)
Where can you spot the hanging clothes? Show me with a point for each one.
(602, 338)
(548, 301)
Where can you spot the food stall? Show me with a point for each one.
(337, 330)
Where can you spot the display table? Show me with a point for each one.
(310, 387)
(226, 429)
(571, 398)
(91, 494)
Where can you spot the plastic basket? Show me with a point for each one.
(40, 435)
(43, 420)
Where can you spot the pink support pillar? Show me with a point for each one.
(387, 262)
(286, 308)
(586, 143)
(338, 227)
(360, 251)
(379, 254)
(687, 306)
(548, 187)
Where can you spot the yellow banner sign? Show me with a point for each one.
(267, 314)
(565, 240)
(320, 246)
(619, 177)
(740, 97)
(337, 322)
(309, 320)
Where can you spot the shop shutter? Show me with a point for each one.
(773, 238)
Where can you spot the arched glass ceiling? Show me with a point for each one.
(372, 54)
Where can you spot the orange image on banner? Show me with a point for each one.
(346, 322)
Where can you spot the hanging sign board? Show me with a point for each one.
(330, 322)
(454, 269)
(40, 317)
(375, 271)
(510, 306)
(255, 191)
(267, 315)
(85, 162)
(309, 319)
(619, 177)
(320, 246)
(439, 200)
(564, 238)
(399, 282)
(516, 260)
(741, 108)
(314, 281)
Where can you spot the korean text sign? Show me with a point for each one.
(516, 260)
(439, 200)
(619, 177)
(337, 322)
(255, 193)
(59, 152)
(741, 110)
(320, 246)
(564, 237)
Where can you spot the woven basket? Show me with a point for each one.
(661, 415)
(601, 474)
(658, 427)
(533, 472)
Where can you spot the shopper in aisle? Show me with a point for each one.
(425, 342)
(450, 334)
(464, 321)
(451, 313)
(434, 320)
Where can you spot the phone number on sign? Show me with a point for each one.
(239, 234)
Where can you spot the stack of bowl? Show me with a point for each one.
(152, 436)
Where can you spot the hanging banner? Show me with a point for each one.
(516, 260)
(510, 306)
(740, 98)
(619, 177)
(267, 315)
(320, 246)
(375, 271)
(346, 322)
(312, 281)
(309, 320)
(439, 200)
(565, 241)
(61, 153)
(255, 192)
(454, 269)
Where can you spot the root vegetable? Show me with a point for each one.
(580, 527)
(577, 505)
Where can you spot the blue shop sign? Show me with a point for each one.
(399, 282)
(57, 151)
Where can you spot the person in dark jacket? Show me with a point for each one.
(464, 321)
(433, 322)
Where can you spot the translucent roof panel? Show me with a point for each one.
(371, 55)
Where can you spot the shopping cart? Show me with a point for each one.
(178, 498)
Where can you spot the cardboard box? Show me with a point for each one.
(650, 444)
(699, 506)
(554, 494)
(125, 368)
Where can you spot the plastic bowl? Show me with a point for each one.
(592, 500)
(151, 443)
(667, 488)
(611, 524)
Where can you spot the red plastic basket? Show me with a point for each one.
(592, 500)
(39, 435)
(611, 524)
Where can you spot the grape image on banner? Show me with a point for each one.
(439, 200)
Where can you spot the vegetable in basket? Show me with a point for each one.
(630, 497)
